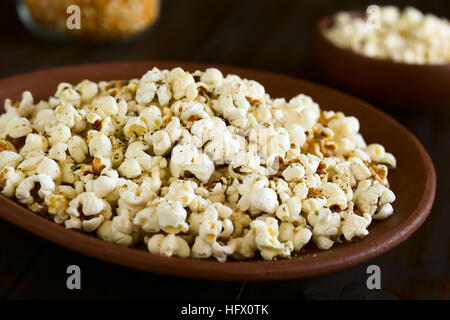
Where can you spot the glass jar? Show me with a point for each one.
(101, 20)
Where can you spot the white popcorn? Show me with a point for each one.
(9, 180)
(326, 226)
(334, 195)
(99, 145)
(104, 184)
(377, 153)
(266, 239)
(148, 219)
(67, 115)
(145, 93)
(368, 194)
(9, 159)
(135, 127)
(67, 93)
(87, 212)
(211, 76)
(345, 126)
(161, 142)
(58, 152)
(196, 165)
(256, 196)
(170, 245)
(152, 117)
(187, 158)
(121, 230)
(78, 148)
(355, 225)
(181, 191)
(48, 167)
(293, 172)
(17, 127)
(58, 133)
(183, 84)
(172, 216)
(34, 142)
(41, 182)
(407, 37)
(201, 249)
(106, 106)
(43, 118)
(87, 89)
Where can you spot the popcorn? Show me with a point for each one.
(67, 115)
(78, 149)
(267, 242)
(104, 184)
(135, 127)
(145, 93)
(377, 153)
(161, 142)
(58, 133)
(33, 189)
(187, 158)
(170, 245)
(195, 165)
(345, 126)
(183, 84)
(172, 216)
(106, 106)
(148, 219)
(181, 191)
(87, 89)
(17, 127)
(355, 225)
(369, 193)
(58, 152)
(152, 117)
(326, 226)
(9, 180)
(87, 212)
(34, 142)
(334, 195)
(256, 197)
(293, 172)
(99, 145)
(68, 94)
(9, 159)
(408, 36)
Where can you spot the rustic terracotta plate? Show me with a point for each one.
(414, 182)
(381, 81)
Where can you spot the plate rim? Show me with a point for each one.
(201, 269)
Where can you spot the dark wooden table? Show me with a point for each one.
(264, 34)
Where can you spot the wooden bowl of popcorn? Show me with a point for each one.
(393, 58)
(116, 167)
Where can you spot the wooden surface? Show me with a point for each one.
(263, 34)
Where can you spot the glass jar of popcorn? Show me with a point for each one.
(98, 20)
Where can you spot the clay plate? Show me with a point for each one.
(381, 81)
(414, 182)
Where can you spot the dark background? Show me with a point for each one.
(263, 34)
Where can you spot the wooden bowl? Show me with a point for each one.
(414, 182)
(383, 82)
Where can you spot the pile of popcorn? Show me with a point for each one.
(407, 36)
(194, 165)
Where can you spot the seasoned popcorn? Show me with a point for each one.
(407, 36)
(197, 165)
